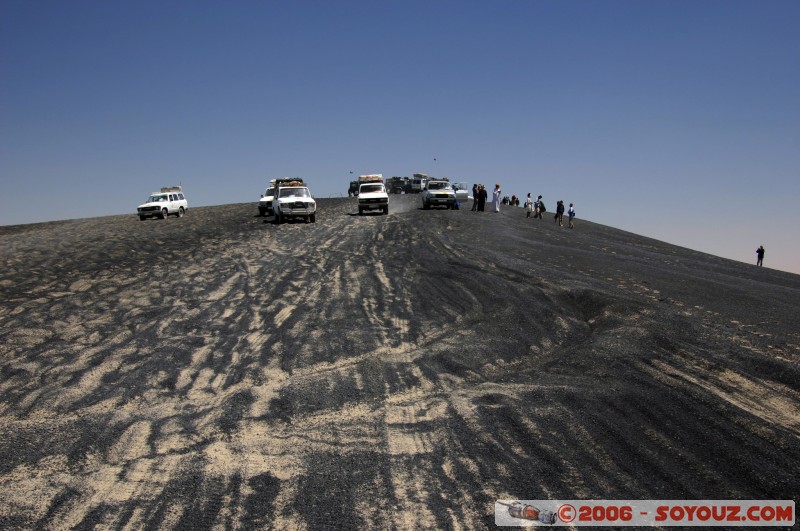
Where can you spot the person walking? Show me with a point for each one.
(571, 215)
(560, 213)
(475, 197)
(496, 197)
(528, 205)
(760, 256)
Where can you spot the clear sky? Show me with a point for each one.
(678, 120)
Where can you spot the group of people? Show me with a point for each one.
(535, 208)
(480, 195)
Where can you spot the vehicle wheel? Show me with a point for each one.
(360, 211)
(426, 206)
(386, 211)
(164, 213)
(313, 218)
(181, 212)
(262, 212)
(142, 218)
(278, 218)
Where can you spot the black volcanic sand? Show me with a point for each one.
(381, 371)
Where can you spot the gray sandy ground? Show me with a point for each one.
(403, 371)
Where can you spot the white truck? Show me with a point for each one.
(372, 194)
(168, 202)
(293, 200)
(438, 192)
(418, 182)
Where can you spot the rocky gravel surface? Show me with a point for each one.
(220, 371)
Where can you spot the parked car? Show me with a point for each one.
(438, 193)
(265, 203)
(168, 202)
(462, 191)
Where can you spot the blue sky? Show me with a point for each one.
(678, 120)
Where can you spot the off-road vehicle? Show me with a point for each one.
(265, 203)
(438, 192)
(169, 201)
(293, 200)
(372, 196)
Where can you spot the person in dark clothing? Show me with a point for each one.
(760, 256)
(474, 197)
(483, 195)
(560, 213)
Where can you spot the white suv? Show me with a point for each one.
(265, 203)
(373, 196)
(293, 200)
(169, 201)
(437, 193)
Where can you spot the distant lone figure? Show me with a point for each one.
(496, 197)
(760, 255)
(571, 214)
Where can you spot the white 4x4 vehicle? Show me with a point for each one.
(372, 196)
(293, 200)
(461, 190)
(437, 193)
(169, 201)
(265, 203)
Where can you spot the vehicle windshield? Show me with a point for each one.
(270, 191)
(437, 186)
(156, 198)
(294, 192)
(460, 186)
(371, 188)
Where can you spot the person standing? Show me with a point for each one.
(760, 256)
(528, 205)
(560, 213)
(539, 207)
(571, 215)
(481, 197)
(474, 197)
(496, 197)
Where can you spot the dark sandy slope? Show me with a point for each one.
(220, 371)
